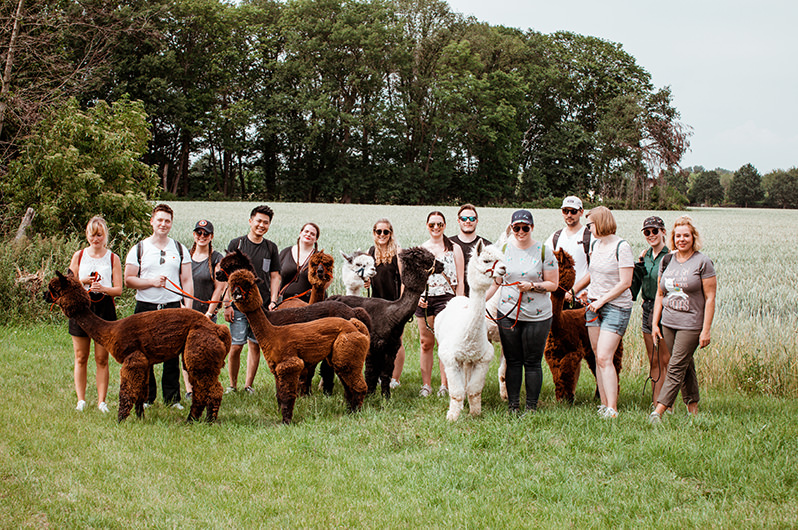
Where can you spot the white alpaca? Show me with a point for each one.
(461, 331)
(356, 270)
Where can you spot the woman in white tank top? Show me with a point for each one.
(100, 272)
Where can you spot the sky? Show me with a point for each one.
(732, 66)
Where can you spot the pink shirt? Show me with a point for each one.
(604, 269)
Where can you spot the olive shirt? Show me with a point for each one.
(644, 277)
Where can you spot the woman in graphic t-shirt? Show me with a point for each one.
(686, 304)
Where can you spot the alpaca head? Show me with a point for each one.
(320, 269)
(358, 267)
(418, 264)
(68, 293)
(567, 271)
(486, 264)
(243, 285)
(232, 262)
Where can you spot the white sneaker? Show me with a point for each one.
(610, 413)
(394, 383)
(230, 390)
(425, 391)
(654, 418)
(103, 406)
(177, 406)
(81, 405)
(443, 391)
(146, 405)
(602, 409)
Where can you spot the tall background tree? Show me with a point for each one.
(746, 187)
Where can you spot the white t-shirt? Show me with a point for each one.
(152, 267)
(605, 269)
(572, 244)
(102, 266)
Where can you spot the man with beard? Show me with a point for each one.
(574, 239)
(467, 237)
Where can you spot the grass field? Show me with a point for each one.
(400, 464)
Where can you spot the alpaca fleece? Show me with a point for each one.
(356, 270)
(141, 340)
(344, 343)
(389, 317)
(462, 335)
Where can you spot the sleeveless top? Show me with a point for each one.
(387, 283)
(101, 266)
(438, 284)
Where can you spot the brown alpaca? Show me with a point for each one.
(568, 341)
(141, 340)
(344, 343)
(320, 274)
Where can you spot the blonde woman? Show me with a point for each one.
(100, 272)
(387, 283)
(441, 288)
(609, 302)
(685, 304)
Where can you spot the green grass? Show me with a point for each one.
(394, 464)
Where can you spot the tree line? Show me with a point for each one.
(380, 101)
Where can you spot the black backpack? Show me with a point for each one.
(585, 242)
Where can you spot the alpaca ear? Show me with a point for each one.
(346, 257)
(480, 246)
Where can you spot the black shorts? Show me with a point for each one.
(105, 309)
(435, 305)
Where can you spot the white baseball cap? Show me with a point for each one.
(571, 202)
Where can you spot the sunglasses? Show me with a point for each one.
(163, 257)
(650, 231)
(518, 228)
(569, 211)
(381, 232)
(202, 233)
(471, 218)
(435, 225)
(588, 225)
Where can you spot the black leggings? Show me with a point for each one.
(523, 347)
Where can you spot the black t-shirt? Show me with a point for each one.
(203, 282)
(292, 283)
(264, 257)
(467, 248)
(387, 283)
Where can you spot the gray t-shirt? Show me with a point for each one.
(524, 265)
(683, 292)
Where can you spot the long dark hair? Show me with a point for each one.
(447, 243)
(318, 235)
(210, 256)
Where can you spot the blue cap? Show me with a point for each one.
(522, 216)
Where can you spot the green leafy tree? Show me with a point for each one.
(706, 189)
(78, 164)
(782, 188)
(746, 187)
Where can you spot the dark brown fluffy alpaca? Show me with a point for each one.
(389, 317)
(141, 340)
(568, 341)
(237, 260)
(344, 343)
(320, 273)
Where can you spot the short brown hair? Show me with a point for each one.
(163, 208)
(602, 217)
(686, 220)
(467, 206)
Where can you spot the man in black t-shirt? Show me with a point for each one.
(264, 256)
(467, 237)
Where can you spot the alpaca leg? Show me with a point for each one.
(502, 379)
(374, 364)
(476, 382)
(347, 358)
(200, 392)
(455, 377)
(133, 380)
(214, 399)
(306, 378)
(327, 377)
(286, 379)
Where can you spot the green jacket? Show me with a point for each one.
(645, 274)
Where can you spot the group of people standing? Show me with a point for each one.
(678, 291)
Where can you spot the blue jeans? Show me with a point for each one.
(610, 318)
(523, 347)
(240, 329)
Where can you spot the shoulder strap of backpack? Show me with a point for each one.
(139, 247)
(618, 248)
(586, 244)
(555, 237)
(666, 259)
(542, 254)
(180, 262)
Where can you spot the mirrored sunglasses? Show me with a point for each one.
(435, 225)
(471, 218)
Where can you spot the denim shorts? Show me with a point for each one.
(610, 318)
(648, 316)
(240, 329)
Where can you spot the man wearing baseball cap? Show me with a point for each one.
(574, 239)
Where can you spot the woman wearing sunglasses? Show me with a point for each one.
(440, 289)
(525, 310)
(644, 281)
(610, 302)
(387, 283)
